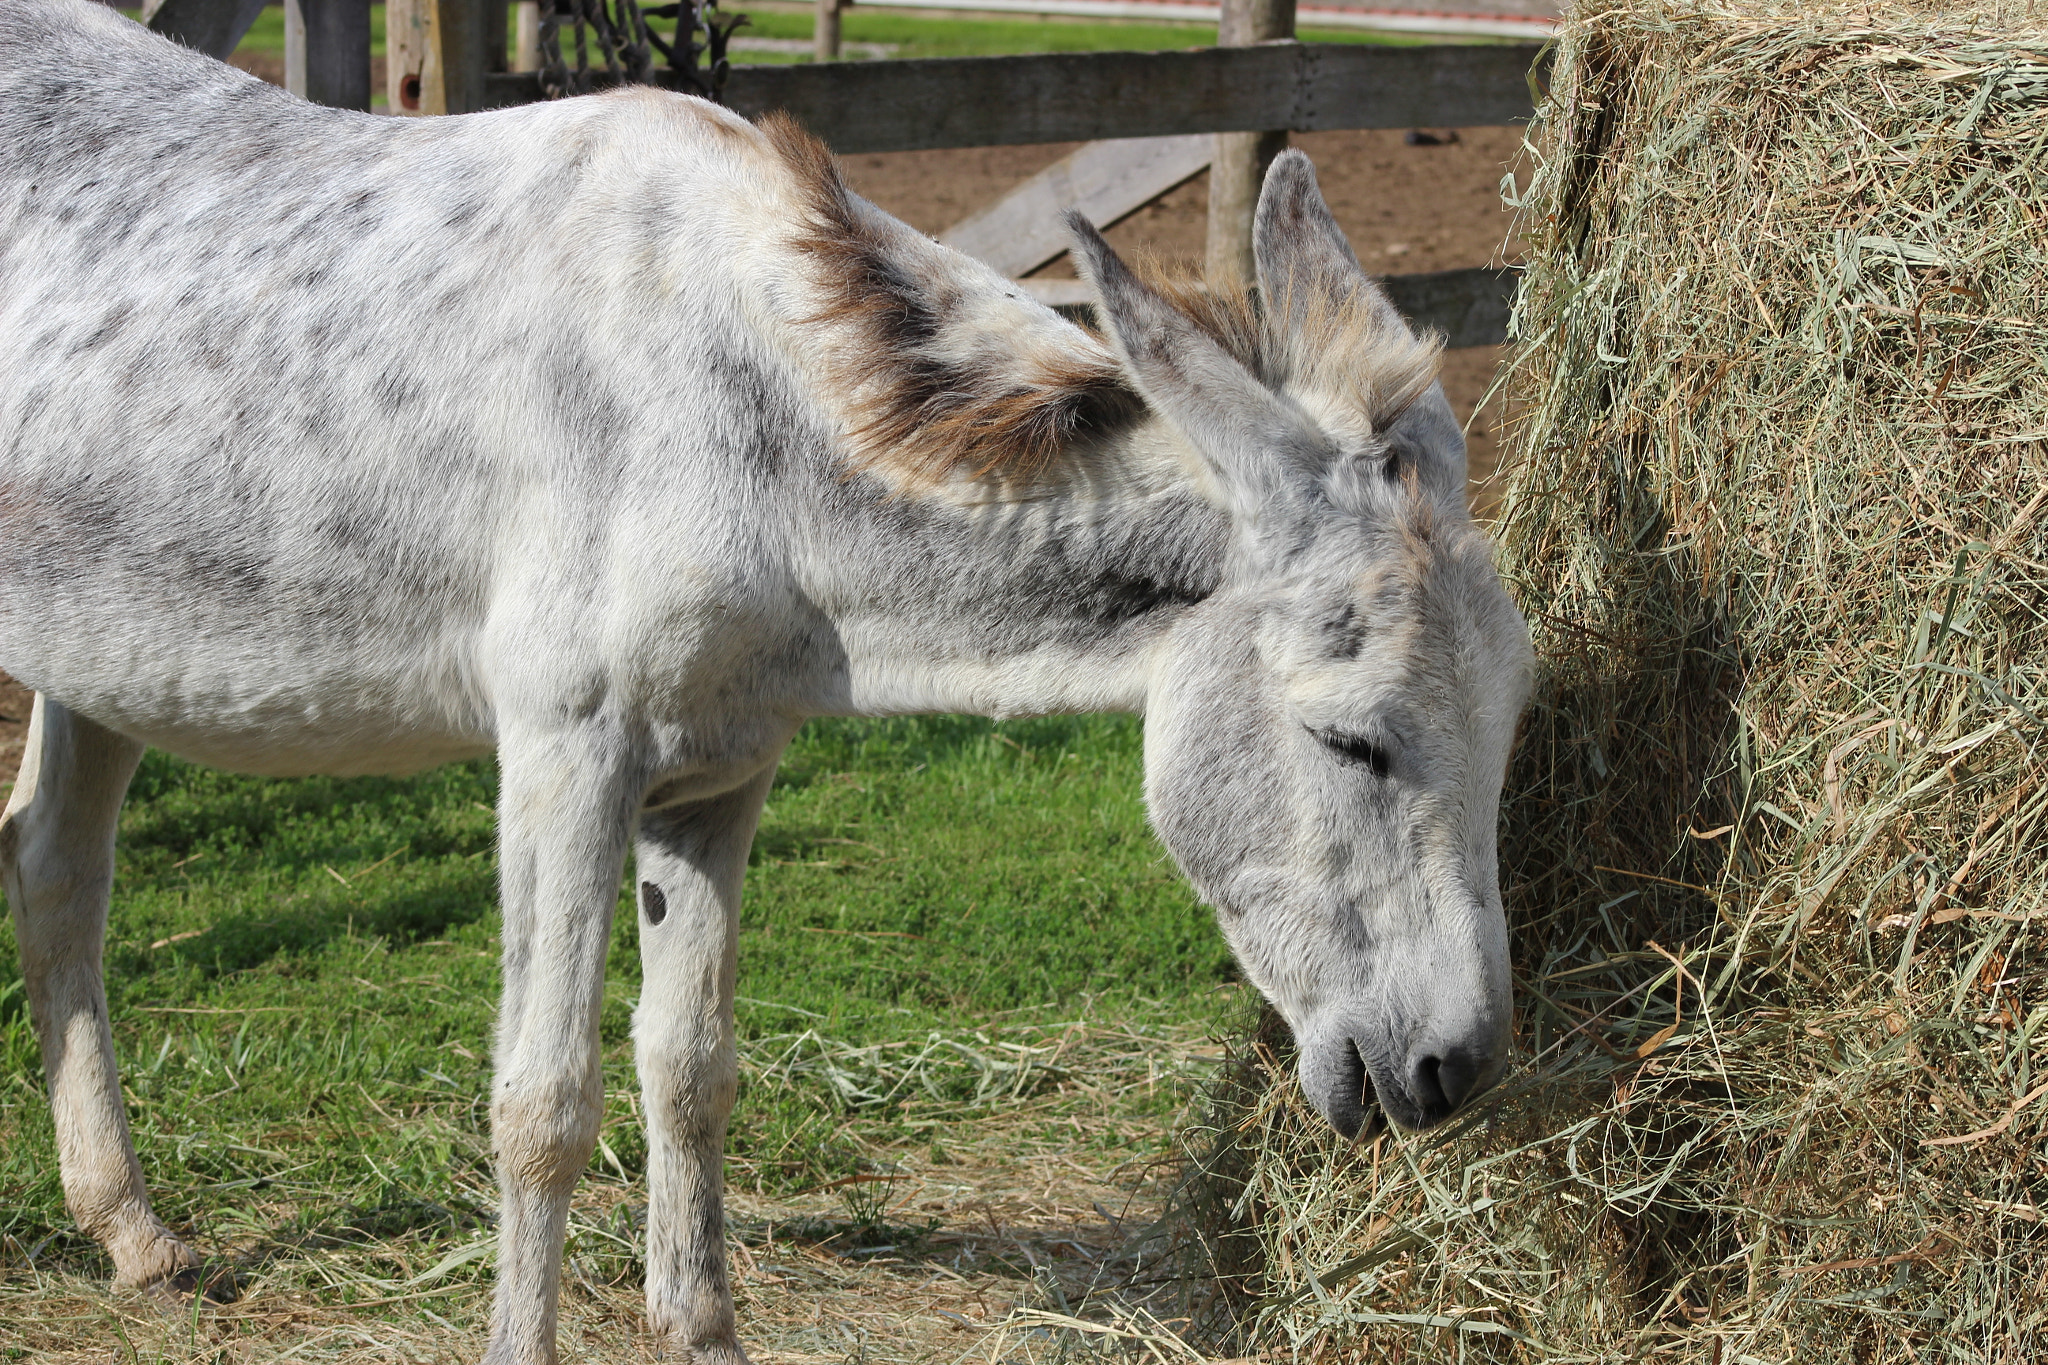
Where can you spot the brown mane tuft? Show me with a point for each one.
(932, 397)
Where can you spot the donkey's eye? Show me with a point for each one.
(1357, 749)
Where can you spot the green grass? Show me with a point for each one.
(302, 973)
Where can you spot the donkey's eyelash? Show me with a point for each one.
(1357, 749)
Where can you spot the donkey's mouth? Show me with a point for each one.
(1340, 1084)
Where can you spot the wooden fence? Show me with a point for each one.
(902, 106)
(443, 54)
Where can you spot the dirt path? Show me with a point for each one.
(15, 701)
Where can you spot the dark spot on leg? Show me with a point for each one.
(653, 903)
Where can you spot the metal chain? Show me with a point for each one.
(627, 43)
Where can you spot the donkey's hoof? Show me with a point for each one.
(151, 1257)
(182, 1277)
(726, 1352)
(212, 1283)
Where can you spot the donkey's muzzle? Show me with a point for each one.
(1336, 1080)
(1439, 1076)
(1346, 1080)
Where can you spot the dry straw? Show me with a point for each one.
(1774, 843)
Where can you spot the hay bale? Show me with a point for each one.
(1774, 843)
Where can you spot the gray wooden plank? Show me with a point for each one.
(1106, 181)
(327, 52)
(1090, 96)
(457, 60)
(1470, 307)
(210, 26)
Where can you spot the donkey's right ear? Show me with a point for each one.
(1262, 451)
(1303, 261)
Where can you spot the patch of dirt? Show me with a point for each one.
(1408, 208)
(15, 701)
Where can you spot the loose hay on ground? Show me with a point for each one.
(1778, 511)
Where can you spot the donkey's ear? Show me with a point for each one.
(1302, 259)
(1260, 449)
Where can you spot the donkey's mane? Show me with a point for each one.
(931, 398)
(938, 392)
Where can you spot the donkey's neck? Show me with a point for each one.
(999, 525)
(1001, 600)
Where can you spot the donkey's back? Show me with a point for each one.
(293, 400)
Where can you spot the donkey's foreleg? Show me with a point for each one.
(565, 814)
(691, 860)
(57, 863)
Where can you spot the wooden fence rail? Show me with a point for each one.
(901, 106)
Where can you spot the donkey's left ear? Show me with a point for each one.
(1262, 451)
(1302, 259)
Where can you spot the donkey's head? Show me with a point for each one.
(1326, 736)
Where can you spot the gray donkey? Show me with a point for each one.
(339, 444)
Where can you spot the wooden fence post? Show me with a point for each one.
(825, 31)
(327, 52)
(211, 26)
(457, 54)
(526, 36)
(1239, 163)
(405, 53)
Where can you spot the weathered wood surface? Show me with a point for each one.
(1238, 161)
(327, 52)
(405, 53)
(1106, 181)
(825, 31)
(210, 26)
(1470, 307)
(901, 106)
(457, 60)
(526, 39)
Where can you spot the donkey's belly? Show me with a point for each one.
(251, 691)
(278, 731)
(301, 752)
(273, 726)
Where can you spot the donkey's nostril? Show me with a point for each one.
(1429, 1090)
(1443, 1083)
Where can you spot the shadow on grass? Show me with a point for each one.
(178, 811)
(238, 941)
